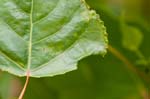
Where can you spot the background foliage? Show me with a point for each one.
(122, 74)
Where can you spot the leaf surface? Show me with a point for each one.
(48, 37)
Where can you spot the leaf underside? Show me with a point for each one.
(48, 37)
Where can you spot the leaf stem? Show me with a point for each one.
(129, 65)
(25, 85)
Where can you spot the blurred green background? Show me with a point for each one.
(124, 73)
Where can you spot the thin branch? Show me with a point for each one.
(25, 85)
(129, 65)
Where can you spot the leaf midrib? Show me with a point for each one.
(30, 39)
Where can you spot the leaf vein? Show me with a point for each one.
(43, 18)
(30, 39)
(71, 17)
(11, 60)
(13, 31)
(69, 47)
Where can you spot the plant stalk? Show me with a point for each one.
(25, 85)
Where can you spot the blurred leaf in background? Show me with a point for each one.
(5, 82)
(10, 86)
(93, 80)
(128, 25)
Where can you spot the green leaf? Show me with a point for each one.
(48, 37)
(132, 38)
